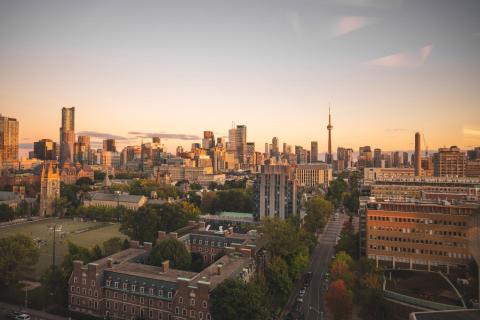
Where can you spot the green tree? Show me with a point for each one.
(173, 250)
(18, 255)
(112, 245)
(318, 211)
(75, 252)
(278, 281)
(141, 225)
(197, 262)
(233, 299)
(336, 191)
(6, 213)
(54, 284)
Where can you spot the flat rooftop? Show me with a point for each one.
(447, 315)
(152, 272)
(231, 266)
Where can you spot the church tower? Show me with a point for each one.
(49, 188)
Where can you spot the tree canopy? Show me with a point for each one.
(318, 211)
(173, 250)
(18, 255)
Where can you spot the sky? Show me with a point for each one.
(175, 68)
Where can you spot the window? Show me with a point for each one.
(92, 283)
(192, 301)
(133, 298)
(184, 312)
(160, 292)
(108, 283)
(108, 304)
(200, 315)
(125, 296)
(169, 294)
(72, 288)
(124, 308)
(84, 291)
(133, 287)
(160, 317)
(160, 304)
(177, 310)
(115, 306)
(208, 316)
(84, 281)
(150, 291)
(90, 292)
(150, 314)
(141, 300)
(72, 301)
(116, 284)
(192, 313)
(95, 304)
(180, 300)
(142, 289)
(125, 286)
(204, 304)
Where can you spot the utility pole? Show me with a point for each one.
(54, 243)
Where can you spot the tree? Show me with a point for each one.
(318, 210)
(173, 250)
(197, 262)
(279, 282)
(336, 191)
(84, 181)
(141, 225)
(6, 213)
(339, 271)
(75, 252)
(55, 283)
(281, 238)
(233, 299)
(18, 255)
(112, 245)
(339, 300)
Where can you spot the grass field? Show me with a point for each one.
(85, 234)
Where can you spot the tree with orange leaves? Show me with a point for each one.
(339, 300)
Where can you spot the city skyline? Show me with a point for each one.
(388, 69)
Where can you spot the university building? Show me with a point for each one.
(122, 286)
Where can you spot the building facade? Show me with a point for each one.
(8, 140)
(67, 135)
(313, 175)
(49, 188)
(449, 162)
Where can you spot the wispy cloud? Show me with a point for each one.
(175, 136)
(404, 59)
(100, 135)
(348, 24)
(26, 145)
(395, 129)
(471, 131)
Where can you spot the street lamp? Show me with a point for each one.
(317, 311)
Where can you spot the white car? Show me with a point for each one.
(22, 316)
(302, 292)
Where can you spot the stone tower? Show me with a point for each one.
(49, 188)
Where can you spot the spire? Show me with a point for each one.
(328, 156)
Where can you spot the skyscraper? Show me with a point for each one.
(208, 141)
(449, 162)
(314, 151)
(328, 156)
(109, 145)
(83, 153)
(418, 155)
(275, 148)
(45, 149)
(67, 135)
(241, 144)
(232, 140)
(377, 158)
(8, 139)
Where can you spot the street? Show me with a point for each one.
(312, 304)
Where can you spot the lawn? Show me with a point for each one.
(86, 234)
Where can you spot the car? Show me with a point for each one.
(23, 316)
(300, 300)
(13, 314)
(302, 291)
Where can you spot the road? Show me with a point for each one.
(319, 260)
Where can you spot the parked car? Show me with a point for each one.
(302, 292)
(22, 316)
(13, 314)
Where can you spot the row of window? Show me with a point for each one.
(84, 281)
(422, 241)
(135, 310)
(151, 302)
(84, 291)
(420, 231)
(420, 251)
(419, 220)
(133, 288)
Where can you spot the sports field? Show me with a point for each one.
(85, 234)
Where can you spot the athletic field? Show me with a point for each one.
(85, 234)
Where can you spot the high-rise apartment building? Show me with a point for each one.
(275, 152)
(45, 149)
(109, 145)
(275, 192)
(82, 150)
(365, 159)
(251, 153)
(377, 158)
(345, 156)
(67, 135)
(449, 162)
(301, 155)
(208, 141)
(49, 188)
(406, 163)
(313, 151)
(313, 175)
(8, 140)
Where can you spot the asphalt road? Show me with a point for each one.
(312, 305)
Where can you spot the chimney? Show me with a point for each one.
(174, 235)
(219, 269)
(109, 262)
(201, 225)
(147, 246)
(134, 244)
(161, 235)
(165, 266)
(77, 265)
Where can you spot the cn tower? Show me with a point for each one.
(329, 157)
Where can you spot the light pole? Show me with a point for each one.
(317, 311)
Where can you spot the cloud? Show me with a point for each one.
(404, 59)
(100, 135)
(26, 145)
(348, 24)
(175, 136)
(471, 131)
(381, 4)
(395, 129)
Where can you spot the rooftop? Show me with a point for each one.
(151, 272)
(446, 315)
(100, 196)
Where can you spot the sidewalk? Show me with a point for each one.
(34, 314)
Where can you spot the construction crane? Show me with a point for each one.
(426, 147)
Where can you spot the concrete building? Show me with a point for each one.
(122, 287)
(344, 158)
(241, 145)
(449, 162)
(67, 135)
(313, 175)
(275, 150)
(420, 235)
(110, 159)
(8, 140)
(365, 158)
(251, 156)
(45, 149)
(472, 168)
(372, 174)
(275, 192)
(49, 188)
